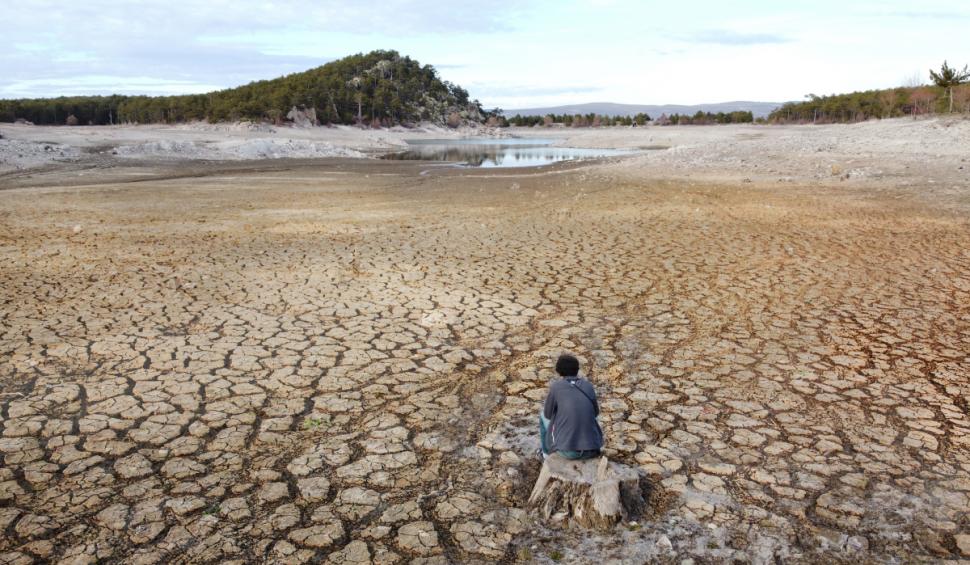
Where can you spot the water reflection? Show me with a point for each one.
(496, 152)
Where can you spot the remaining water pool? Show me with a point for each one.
(496, 152)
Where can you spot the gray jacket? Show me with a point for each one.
(571, 409)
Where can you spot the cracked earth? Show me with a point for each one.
(343, 362)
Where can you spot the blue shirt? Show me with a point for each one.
(571, 409)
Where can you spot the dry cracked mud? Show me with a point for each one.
(343, 362)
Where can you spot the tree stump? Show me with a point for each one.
(592, 493)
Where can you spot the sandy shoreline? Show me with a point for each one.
(24, 147)
(897, 152)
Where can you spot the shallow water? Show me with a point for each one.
(479, 152)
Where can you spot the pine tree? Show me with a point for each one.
(949, 77)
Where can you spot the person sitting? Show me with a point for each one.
(568, 422)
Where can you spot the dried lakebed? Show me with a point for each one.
(343, 362)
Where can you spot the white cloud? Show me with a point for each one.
(732, 37)
(101, 84)
(506, 53)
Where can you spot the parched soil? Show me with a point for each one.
(343, 361)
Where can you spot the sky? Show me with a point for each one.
(506, 53)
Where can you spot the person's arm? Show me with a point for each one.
(596, 401)
(549, 409)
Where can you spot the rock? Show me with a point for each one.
(857, 543)
(114, 517)
(401, 513)
(283, 549)
(34, 526)
(699, 505)
(481, 539)
(180, 468)
(840, 509)
(748, 438)
(313, 489)
(320, 536)
(592, 493)
(303, 117)
(664, 545)
(963, 544)
(353, 552)
(272, 492)
(16, 558)
(235, 509)
(459, 504)
(717, 468)
(185, 504)
(10, 490)
(284, 517)
(41, 548)
(418, 537)
(356, 502)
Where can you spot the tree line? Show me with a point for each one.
(578, 120)
(380, 88)
(949, 92)
(702, 118)
(595, 120)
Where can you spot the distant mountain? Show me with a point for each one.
(759, 109)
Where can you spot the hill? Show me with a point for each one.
(759, 109)
(380, 87)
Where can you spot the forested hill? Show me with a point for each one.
(377, 88)
(949, 93)
(888, 103)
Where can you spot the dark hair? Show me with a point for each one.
(567, 365)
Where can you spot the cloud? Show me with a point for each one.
(730, 37)
(180, 69)
(505, 52)
(100, 84)
(177, 19)
(926, 15)
(183, 45)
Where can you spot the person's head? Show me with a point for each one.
(567, 365)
